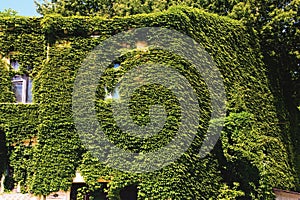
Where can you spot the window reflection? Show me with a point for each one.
(15, 65)
(18, 90)
(116, 65)
(115, 94)
(112, 95)
(29, 91)
(22, 87)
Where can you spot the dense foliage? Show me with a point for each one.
(252, 157)
(105, 8)
(8, 13)
(277, 23)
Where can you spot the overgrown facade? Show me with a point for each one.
(41, 150)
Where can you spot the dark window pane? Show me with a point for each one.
(129, 193)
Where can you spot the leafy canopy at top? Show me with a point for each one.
(8, 13)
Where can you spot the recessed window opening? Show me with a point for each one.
(129, 193)
(22, 87)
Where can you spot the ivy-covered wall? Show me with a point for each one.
(42, 149)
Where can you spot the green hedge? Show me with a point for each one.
(249, 160)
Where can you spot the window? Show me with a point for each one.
(107, 94)
(115, 94)
(116, 65)
(22, 86)
(15, 65)
(112, 95)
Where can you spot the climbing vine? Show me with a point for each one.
(51, 50)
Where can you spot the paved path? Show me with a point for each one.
(17, 196)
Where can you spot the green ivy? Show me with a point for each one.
(250, 159)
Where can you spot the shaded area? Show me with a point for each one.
(129, 193)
